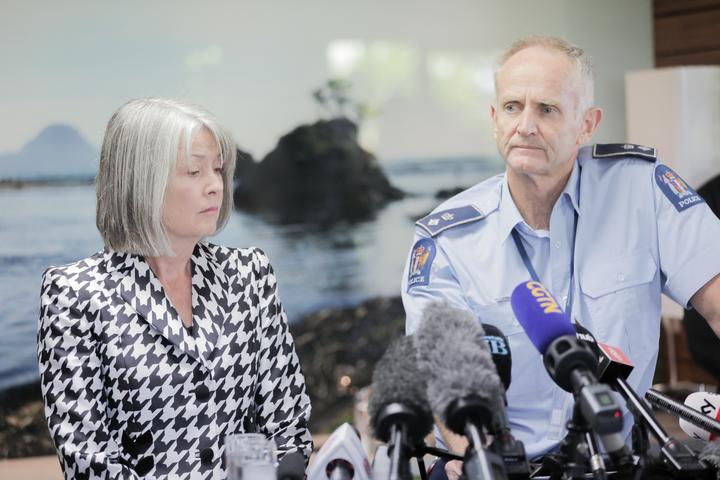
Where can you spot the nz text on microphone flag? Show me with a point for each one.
(709, 405)
(539, 314)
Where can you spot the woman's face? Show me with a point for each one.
(195, 192)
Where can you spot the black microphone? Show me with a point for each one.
(613, 369)
(399, 412)
(291, 467)
(504, 444)
(710, 456)
(499, 348)
(464, 389)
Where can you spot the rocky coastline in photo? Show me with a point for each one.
(331, 344)
(318, 173)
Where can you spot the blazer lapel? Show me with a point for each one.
(138, 286)
(209, 300)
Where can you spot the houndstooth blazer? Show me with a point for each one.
(130, 392)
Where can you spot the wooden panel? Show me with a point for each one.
(687, 33)
(711, 57)
(672, 7)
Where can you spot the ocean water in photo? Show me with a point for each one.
(42, 226)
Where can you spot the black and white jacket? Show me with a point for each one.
(130, 392)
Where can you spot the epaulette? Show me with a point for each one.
(605, 150)
(438, 222)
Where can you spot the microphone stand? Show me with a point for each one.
(682, 461)
(398, 468)
(580, 446)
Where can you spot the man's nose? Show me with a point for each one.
(527, 124)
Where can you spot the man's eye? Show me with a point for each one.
(193, 173)
(547, 109)
(510, 108)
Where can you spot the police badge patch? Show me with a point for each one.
(421, 258)
(680, 194)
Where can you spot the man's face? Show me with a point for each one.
(537, 127)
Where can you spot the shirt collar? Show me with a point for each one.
(510, 215)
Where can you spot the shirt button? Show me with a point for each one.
(557, 244)
(621, 276)
(564, 299)
(202, 393)
(206, 455)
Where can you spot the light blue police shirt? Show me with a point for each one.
(641, 231)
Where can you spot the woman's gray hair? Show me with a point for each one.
(138, 155)
(574, 53)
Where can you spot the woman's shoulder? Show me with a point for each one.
(237, 258)
(79, 267)
(222, 254)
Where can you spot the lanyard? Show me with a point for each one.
(531, 269)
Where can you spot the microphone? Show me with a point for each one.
(698, 416)
(709, 405)
(570, 363)
(572, 367)
(342, 457)
(291, 467)
(710, 456)
(504, 444)
(399, 412)
(499, 348)
(614, 368)
(464, 389)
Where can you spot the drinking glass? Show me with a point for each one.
(249, 456)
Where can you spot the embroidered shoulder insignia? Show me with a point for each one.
(680, 194)
(608, 150)
(438, 222)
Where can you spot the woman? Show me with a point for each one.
(155, 349)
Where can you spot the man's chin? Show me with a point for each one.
(521, 162)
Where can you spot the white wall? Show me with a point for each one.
(255, 63)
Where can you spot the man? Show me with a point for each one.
(606, 228)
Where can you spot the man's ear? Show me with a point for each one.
(590, 122)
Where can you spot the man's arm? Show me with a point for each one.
(707, 302)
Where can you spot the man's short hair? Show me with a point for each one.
(138, 156)
(573, 52)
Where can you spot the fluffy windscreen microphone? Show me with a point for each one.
(398, 380)
(710, 455)
(398, 408)
(464, 389)
(455, 358)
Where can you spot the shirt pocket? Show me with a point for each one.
(615, 292)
